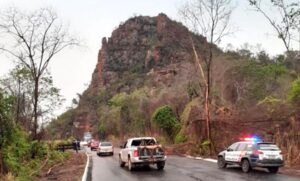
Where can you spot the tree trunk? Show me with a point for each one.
(208, 95)
(1, 164)
(18, 100)
(207, 113)
(207, 87)
(35, 107)
(207, 92)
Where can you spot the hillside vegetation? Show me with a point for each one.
(146, 82)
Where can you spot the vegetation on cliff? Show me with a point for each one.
(148, 63)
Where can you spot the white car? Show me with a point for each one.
(83, 143)
(105, 148)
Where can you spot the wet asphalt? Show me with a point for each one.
(106, 168)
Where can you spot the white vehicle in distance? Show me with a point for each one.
(83, 143)
(142, 151)
(105, 148)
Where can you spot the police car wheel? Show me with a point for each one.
(273, 169)
(246, 166)
(221, 162)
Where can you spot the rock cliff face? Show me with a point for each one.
(144, 51)
(141, 45)
(154, 54)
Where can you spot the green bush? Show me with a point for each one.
(58, 156)
(203, 147)
(17, 154)
(166, 120)
(119, 99)
(180, 138)
(24, 157)
(294, 92)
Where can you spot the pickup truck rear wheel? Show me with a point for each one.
(130, 165)
(122, 164)
(160, 165)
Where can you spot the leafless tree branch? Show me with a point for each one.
(35, 38)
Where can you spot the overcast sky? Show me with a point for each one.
(93, 19)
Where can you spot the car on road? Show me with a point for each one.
(142, 151)
(94, 145)
(250, 153)
(83, 143)
(105, 148)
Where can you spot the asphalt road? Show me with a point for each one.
(106, 168)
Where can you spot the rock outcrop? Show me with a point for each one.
(143, 51)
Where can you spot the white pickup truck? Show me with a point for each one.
(142, 151)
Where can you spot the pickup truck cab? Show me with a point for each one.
(142, 151)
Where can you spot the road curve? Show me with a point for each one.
(106, 168)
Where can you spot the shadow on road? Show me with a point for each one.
(145, 170)
(237, 169)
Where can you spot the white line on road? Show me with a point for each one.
(210, 160)
(200, 158)
(84, 176)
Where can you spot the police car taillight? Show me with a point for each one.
(257, 152)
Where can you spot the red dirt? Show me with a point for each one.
(293, 171)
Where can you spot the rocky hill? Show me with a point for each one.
(144, 52)
(148, 63)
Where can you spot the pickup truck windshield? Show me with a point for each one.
(143, 142)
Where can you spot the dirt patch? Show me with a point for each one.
(70, 170)
(293, 171)
(178, 149)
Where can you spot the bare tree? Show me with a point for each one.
(211, 19)
(32, 39)
(283, 17)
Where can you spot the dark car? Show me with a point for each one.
(249, 154)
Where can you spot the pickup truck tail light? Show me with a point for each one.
(135, 153)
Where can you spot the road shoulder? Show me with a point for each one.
(70, 169)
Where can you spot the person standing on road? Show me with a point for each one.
(75, 145)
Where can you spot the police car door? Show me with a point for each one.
(239, 152)
(230, 152)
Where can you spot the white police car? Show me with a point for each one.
(250, 153)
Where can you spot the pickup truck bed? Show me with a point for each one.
(142, 154)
